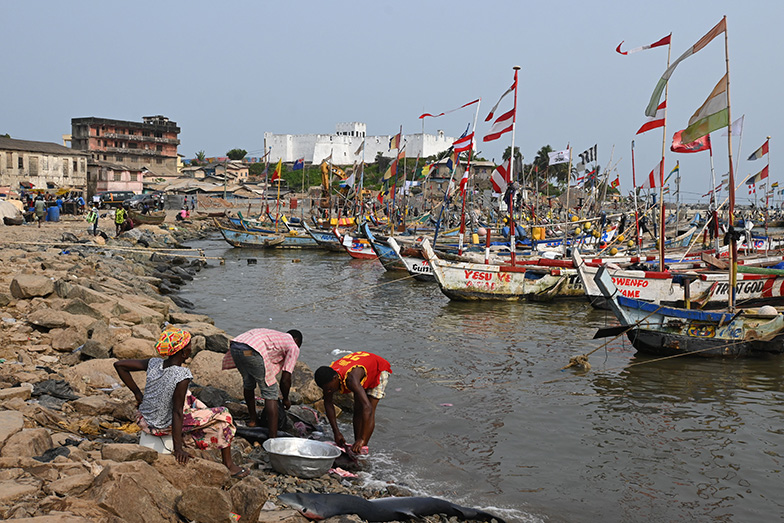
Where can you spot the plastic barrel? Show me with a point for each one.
(53, 214)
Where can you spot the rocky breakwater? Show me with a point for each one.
(70, 306)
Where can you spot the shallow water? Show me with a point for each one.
(478, 410)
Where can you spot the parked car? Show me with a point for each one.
(114, 199)
(137, 201)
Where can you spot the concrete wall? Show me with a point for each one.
(39, 168)
(345, 142)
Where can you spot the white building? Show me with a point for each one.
(343, 144)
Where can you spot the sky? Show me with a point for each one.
(227, 72)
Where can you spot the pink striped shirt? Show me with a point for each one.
(279, 350)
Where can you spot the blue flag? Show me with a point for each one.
(299, 164)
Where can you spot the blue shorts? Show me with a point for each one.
(251, 367)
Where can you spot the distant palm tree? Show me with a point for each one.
(201, 155)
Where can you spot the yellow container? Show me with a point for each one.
(538, 233)
(474, 238)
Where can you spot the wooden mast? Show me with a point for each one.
(661, 168)
(731, 221)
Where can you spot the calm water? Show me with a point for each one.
(478, 411)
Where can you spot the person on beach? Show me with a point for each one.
(168, 407)
(366, 375)
(260, 355)
(92, 219)
(40, 210)
(120, 216)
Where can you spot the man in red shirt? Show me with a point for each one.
(366, 375)
(260, 355)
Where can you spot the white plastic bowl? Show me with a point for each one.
(300, 457)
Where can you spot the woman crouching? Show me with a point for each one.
(168, 407)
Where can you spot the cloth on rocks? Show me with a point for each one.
(206, 427)
(158, 399)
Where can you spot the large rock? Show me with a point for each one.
(23, 392)
(99, 374)
(128, 452)
(206, 369)
(216, 340)
(94, 405)
(159, 305)
(11, 490)
(53, 319)
(129, 310)
(184, 317)
(94, 349)
(135, 492)
(247, 498)
(282, 516)
(146, 331)
(66, 340)
(70, 290)
(77, 306)
(72, 485)
(26, 286)
(206, 505)
(27, 443)
(196, 473)
(302, 381)
(135, 349)
(11, 422)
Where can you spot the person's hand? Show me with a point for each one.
(340, 440)
(182, 456)
(286, 403)
(357, 446)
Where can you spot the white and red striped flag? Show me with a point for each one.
(655, 121)
(501, 126)
(654, 178)
(464, 143)
(500, 177)
(663, 41)
(449, 111)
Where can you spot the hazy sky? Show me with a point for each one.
(226, 72)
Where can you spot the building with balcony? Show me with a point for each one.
(26, 164)
(151, 143)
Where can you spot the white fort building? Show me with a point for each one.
(343, 144)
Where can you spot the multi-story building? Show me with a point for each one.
(149, 145)
(26, 164)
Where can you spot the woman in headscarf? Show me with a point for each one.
(167, 407)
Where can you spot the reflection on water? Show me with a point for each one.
(479, 411)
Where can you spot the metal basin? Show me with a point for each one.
(300, 457)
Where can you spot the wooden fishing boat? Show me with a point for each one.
(694, 285)
(247, 239)
(324, 238)
(358, 248)
(152, 218)
(478, 281)
(212, 213)
(664, 331)
(413, 260)
(385, 253)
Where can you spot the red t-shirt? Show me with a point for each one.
(372, 364)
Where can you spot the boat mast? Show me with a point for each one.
(733, 241)
(638, 239)
(465, 186)
(512, 239)
(661, 169)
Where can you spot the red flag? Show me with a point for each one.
(700, 144)
(500, 177)
(278, 169)
(615, 183)
(655, 121)
(663, 41)
(447, 112)
(650, 182)
(464, 143)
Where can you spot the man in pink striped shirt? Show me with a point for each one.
(259, 355)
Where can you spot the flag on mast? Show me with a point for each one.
(557, 157)
(394, 142)
(678, 145)
(278, 170)
(663, 41)
(759, 153)
(759, 176)
(449, 111)
(464, 143)
(655, 121)
(702, 42)
(711, 116)
(675, 170)
(655, 174)
(500, 177)
(736, 128)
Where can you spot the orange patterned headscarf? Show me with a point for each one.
(172, 340)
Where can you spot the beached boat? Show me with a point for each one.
(664, 331)
(385, 253)
(246, 239)
(152, 218)
(478, 281)
(326, 239)
(413, 260)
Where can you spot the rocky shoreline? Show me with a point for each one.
(70, 305)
